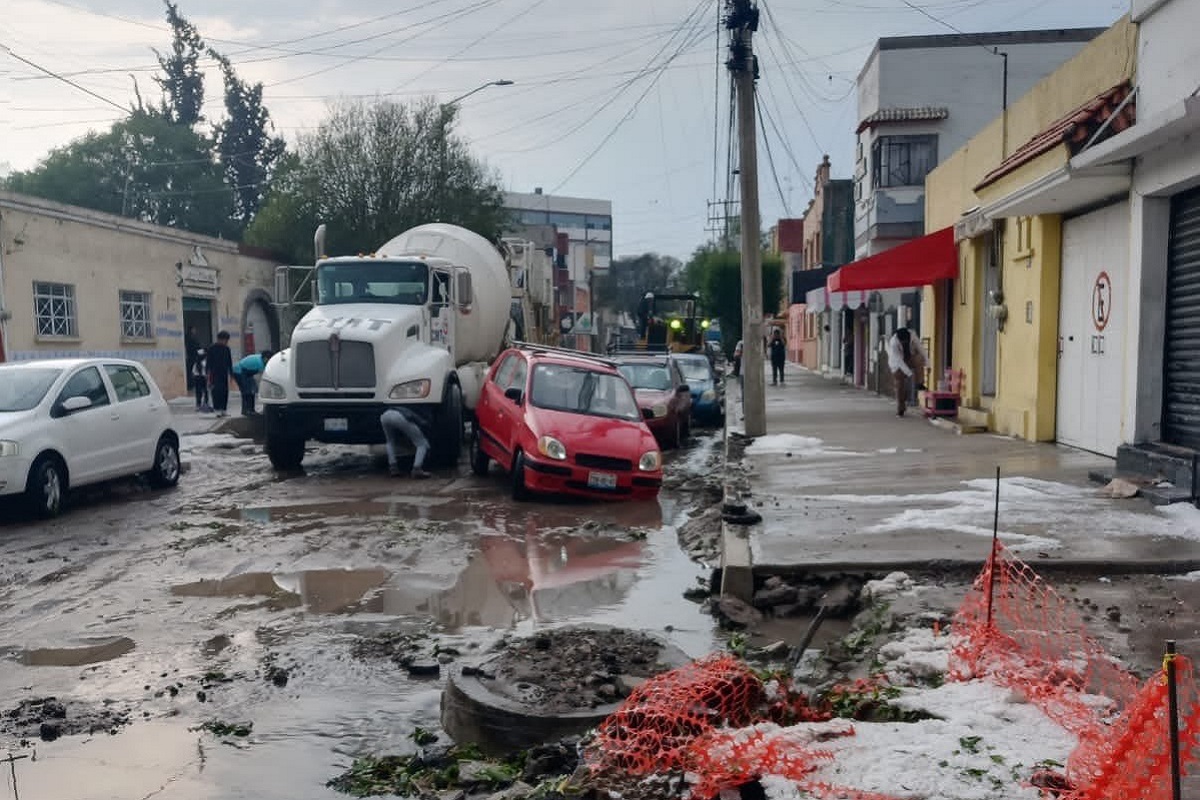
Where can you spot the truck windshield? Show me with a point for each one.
(582, 391)
(398, 282)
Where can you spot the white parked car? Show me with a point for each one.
(70, 422)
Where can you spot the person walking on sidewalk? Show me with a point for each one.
(778, 349)
(220, 372)
(905, 358)
(399, 422)
(244, 372)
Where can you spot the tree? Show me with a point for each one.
(247, 150)
(371, 171)
(144, 167)
(628, 279)
(182, 80)
(717, 275)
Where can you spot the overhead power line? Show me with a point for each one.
(689, 37)
(65, 80)
(770, 157)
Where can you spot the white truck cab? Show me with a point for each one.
(415, 324)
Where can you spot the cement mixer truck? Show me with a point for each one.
(415, 324)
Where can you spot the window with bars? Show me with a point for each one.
(54, 309)
(135, 315)
(902, 160)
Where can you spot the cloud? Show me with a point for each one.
(578, 69)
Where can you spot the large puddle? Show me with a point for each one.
(88, 652)
(527, 568)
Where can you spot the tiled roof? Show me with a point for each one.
(921, 114)
(1073, 129)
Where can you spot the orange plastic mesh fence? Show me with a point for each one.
(1032, 641)
(727, 759)
(1133, 760)
(1035, 643)
(651, 731)
(696, 720)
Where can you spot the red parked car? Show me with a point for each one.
(564, 422)
(662, 394)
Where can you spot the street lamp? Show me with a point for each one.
(445, 112)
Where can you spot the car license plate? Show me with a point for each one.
(602, 480)
(337, 424)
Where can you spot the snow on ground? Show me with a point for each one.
(1026, 505)
(793, 444)
(199, 441)
(984, 744)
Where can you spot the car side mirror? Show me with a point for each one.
(648, 413)
(76, 403)
(683, 389)
(514, 394)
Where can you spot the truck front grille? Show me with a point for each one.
(322, 365)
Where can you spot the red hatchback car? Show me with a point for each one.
(662, 394)
(564, 422)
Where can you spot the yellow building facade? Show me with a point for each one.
(1007, 193)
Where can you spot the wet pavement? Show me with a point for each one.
(843, 484)
(840, 479)
(238, 598)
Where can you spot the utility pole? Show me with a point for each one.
(741, 21)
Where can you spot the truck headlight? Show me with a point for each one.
(270, 390)
(412, 390)
(9, 448)
(552, 448)
(651, 461)
(659, 409)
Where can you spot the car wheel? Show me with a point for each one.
(520, 492)
(165, 472)
(46, 488)
(479, 459)
(675, 438)
(447, 447)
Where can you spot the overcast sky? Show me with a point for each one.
(585, 116)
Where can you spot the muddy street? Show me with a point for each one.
(249, 634)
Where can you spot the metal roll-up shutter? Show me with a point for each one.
(1181, 361)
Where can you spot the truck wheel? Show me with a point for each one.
(286, 452)
(448, 446)
(520, 492)
(479, 459)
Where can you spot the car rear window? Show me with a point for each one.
(647, 376)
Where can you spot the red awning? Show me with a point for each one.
(920, 262)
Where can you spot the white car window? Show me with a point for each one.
(86, 383)
(127, 382)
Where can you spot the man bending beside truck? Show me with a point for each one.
(401, 423)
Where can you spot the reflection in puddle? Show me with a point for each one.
(508, 580)
(321, 591)
(92, 652)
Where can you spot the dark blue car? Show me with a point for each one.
(708, 394)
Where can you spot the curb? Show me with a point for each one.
(737, 562)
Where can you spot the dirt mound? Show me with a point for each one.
(574, 668)
(47, 718)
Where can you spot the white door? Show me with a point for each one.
(1091, 329)
(137, 418)
(88, 438)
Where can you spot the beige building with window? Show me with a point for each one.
(80, 283)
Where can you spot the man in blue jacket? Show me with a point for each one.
(244, 372)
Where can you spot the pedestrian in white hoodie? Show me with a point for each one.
(905, 359)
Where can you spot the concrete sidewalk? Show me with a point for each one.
(841, 482)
